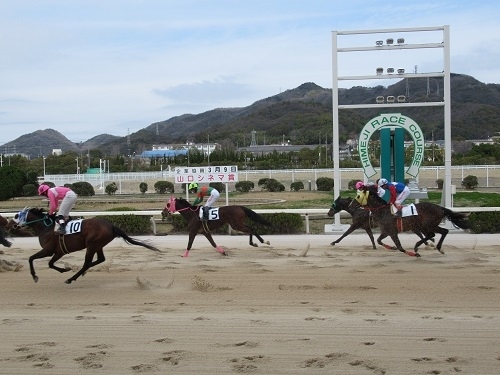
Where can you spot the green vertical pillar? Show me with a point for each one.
(386, 163)
(392, 154)
(398, 153)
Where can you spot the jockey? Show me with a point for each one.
(212, 193)
(59, 195)
(399, 192)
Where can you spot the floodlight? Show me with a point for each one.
(390, 70)
(389, 41)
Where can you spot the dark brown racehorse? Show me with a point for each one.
(94, 234)
(361, 218)
(427, 221)
(233, 215)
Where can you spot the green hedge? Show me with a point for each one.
(131, 224)
(485, 222)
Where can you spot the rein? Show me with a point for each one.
(47, 221)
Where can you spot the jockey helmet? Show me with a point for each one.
(42, 189)
(193, 186)
(382, 182)
(359, 185)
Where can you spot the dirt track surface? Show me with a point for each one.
(297, 306)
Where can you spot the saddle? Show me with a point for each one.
(212, 214)
(408, 210)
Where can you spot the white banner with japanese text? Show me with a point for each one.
(206, 175)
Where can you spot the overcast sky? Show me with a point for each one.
(88, 67)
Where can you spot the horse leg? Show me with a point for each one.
(100, 258)
(89, 255)
(422, 236)
(192, 235)
(370, 234)
(52, 265)
(41, 254)
(208, 236)
(443, 232)
(397, 242)
(258, 237)
(379, 241)
(346, 233)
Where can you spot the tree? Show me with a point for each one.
(162, 187)
(143, 187)
(297, 185)
(470, 182)
(83, 189)
(244, 186)
(13, 179)
(325, 183)
(111, 188)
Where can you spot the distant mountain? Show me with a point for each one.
(42, 142)
(303, 116)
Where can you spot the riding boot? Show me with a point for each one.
(205, 213)
(398, 213)
(62, 226)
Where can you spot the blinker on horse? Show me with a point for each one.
(427, 221)
(95, 233)
(235, 216)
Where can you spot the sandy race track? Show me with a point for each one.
(297, 306)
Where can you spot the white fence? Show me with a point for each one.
(128, 183)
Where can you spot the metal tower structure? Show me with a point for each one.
(444, 44)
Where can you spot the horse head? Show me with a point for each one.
(29, 216)
(169, 208)
(336, 207)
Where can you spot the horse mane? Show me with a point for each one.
(373, 192)
(184, 201)
(37, 211)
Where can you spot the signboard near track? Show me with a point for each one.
(206, 175)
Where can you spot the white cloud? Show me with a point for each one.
(88, 67)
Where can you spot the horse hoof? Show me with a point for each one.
(35, 279)
(67, 281)
(333, 243)
(268, 243)
(412, 254)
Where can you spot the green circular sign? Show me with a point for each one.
(391, 120)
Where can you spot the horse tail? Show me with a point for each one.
(256, 217)
(118, 232)
(457, 218)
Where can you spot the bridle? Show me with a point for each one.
(22, 216)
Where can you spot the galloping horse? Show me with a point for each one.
(426, 222)
(93, 234)
(233, 215)
(361, 218)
